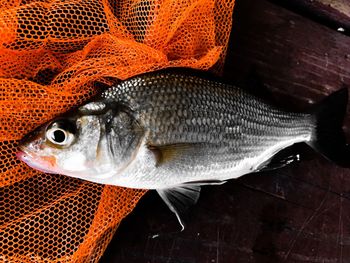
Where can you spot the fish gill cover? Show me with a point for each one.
(52, 53)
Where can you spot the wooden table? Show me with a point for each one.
(301, 213)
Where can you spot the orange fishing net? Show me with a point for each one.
(52, 54)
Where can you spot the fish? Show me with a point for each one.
(174, 131)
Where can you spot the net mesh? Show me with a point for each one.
(54, 54)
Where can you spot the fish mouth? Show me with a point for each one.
(35, 163)
(21, 155)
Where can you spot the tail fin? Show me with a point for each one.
(329, 138)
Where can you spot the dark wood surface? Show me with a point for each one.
(300, 213)
(332, 13)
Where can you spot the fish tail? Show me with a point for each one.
(329, 138)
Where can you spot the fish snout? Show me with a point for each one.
(21, 155)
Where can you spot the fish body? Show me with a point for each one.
(174, 132)
(208, 131)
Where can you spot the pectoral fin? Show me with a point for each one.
(180, 199)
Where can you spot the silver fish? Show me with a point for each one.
(174, 132)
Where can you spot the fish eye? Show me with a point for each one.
(58, 136)
(60, 133)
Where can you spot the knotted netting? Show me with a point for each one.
(52, 54)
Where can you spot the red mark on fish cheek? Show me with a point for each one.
(49, 160)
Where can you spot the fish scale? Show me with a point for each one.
(228, 124)
(237, 107)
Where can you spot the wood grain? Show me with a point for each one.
(343, 6)
(332, 13)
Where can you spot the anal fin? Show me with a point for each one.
(284, 157)
(180, 199)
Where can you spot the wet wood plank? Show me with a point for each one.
(297, 214)
(332, 13)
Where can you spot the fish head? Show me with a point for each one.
(92, 147)
(47, 147)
